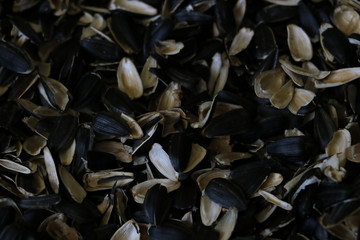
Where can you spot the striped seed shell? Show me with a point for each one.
(226, 193)
(54, 92)
(111, 125)
(14, 58)
(157, 204)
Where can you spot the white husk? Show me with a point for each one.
(227, 224)
(51, 170)
(128, 79)
(161, 161)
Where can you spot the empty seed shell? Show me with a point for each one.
(282, 98)
(103, 180)
(227, 223)
(347, 19)
(226, 193)
(34, 144)
(340, 141)
(162, 162)
(130, 230)
(241, 40)
(339, 77)
(209, 210)
(138, 7)
(139, 190)
(75, 190)
(14, 166)
(301, 98)
(51, 170)
(111, 125)
(157, 204)
(299, 43)
(171, 97)
(269, 82)
(54, 92)
(168, 47)
(273, 199)
(128, 79)
(14, 58)
(66, 156)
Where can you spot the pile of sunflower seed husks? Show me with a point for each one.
(179, 119)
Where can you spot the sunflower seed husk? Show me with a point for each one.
(111, 125)
(120, 151)
(179, 119)
(269, 82)
(149, 80)
(340, 141)
(171, 97)
(51, 170)
(209, 210)
(139, 190)
(66, 156)
(334, 43)
(11, 54)
(241, 41)
(34, 144)
(207, 175)
(300, 99)
(282, 98)
(157, 204)
(346, 19)
(55, 93)
(75, 190)
(41, 201)
(168, 47)
(299, 43)
(128, 79)
(138, 7)
(227, 223)
(106, 179)
(13, 166)
(58, 229)
(273, 199)
(130, 230)
(162, 162)
(226, 193)
(339, 77)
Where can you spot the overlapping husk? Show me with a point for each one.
(132, 119)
